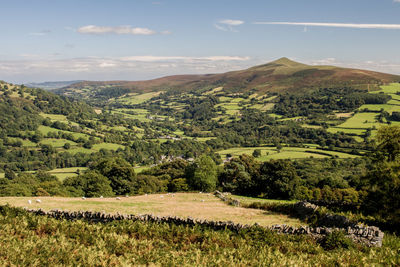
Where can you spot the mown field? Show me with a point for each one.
(196, 205)
(30, 240)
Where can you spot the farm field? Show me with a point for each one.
(286, 152)
(134, 99)
(196, 205)
(63, 173)
(249, 200)
(361, 121)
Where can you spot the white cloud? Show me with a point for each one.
(374, 65)
(231, 22)
(324, 61)
(41, 33)
(336, 25)
(396, 1)
(114, 68)
(29, 56)
(126, 29)
(228, 25)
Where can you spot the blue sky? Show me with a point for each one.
(49, 40)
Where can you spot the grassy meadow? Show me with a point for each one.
(197, 205)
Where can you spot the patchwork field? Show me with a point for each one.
(361, 121)
(196, 205)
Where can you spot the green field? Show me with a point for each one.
(46, 129)
(109, 146)
(249, 200)
(268, 153)
(62, 173)
(392, 88)
(361, 121)
(134, 99)
(57, 143)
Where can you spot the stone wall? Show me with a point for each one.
(369, 236)
(225, 198)
(305, 210)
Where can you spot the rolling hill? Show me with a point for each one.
(282, 75)
(52, 85)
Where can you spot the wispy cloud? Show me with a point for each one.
(228, 24)
(396, 1)
(41, 33)
(336, 25)
(231, 22)
(124, 29)
(183, 59)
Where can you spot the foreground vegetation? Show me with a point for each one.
(40, 241)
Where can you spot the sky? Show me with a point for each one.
(59, 40)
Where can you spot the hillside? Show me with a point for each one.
(52, 85)
(282, 75)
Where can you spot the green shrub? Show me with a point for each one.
(336, 240)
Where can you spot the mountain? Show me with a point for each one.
(52, 85)
(282, 75)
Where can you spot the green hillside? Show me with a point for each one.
(282, 75)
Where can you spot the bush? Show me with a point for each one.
(178, 185)
(335, 240)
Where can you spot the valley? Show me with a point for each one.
(115, 147)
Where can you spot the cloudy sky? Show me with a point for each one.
(51, 40)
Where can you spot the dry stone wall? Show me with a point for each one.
(370, 236)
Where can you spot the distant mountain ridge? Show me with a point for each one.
(52, 85)
(282, 75)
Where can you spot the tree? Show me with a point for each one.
(278, 179)
(67, 146)
(89, 184)
(257, 153)
(9, 174)
(388, 143)
(238, 175)
(202, 174)
(382, 181)
(120, 173)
